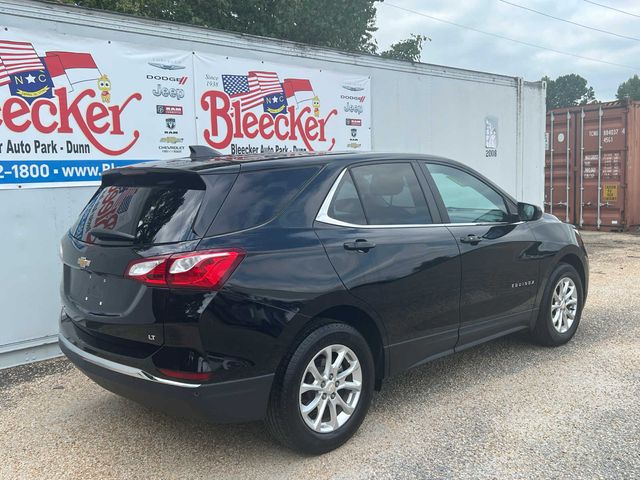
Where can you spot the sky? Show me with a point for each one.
(458, 47)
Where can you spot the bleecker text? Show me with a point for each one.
(62, 115)
(235, 124)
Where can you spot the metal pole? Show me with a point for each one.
(552, 141)
(599, 221)
(568, 153)
(581, 166)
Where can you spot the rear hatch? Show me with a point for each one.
(136, 213)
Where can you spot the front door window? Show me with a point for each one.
(466, 198)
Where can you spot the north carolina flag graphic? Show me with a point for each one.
(298, 88)
(31, 76)
(77, 67)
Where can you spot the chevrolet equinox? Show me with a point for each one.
(286, 287)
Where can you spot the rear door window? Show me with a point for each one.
(258, 196)
(152, 214)
(391, 194)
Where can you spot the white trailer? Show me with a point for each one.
(149, 89)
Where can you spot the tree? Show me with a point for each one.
(347, 26)
(568, 91)
(629, 89)
(408, 50)
(329, 23)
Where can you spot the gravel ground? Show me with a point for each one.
(507, 409)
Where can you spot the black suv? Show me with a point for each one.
(286, 287)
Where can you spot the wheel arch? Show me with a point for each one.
(576, 262)
(367, 327)
(362, 322)
(568, 255)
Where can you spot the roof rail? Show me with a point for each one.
(200, 151)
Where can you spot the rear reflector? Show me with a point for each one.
(198, 376)
(207, 269)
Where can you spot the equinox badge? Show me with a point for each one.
(84, 262)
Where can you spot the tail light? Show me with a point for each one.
(207, 269)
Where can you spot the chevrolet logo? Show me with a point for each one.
(84, 262)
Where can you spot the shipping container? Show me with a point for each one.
(167, 73)
(592, 165)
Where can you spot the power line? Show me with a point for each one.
(613, 8)
(502, 37)
(607, 32)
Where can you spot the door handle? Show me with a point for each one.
(359, 245)
(472, 239)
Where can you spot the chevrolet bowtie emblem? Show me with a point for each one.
(84, 262)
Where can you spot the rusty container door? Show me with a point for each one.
(560, 165)
(604, 166)
(586, 165)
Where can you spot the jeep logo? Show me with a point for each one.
(161, 91)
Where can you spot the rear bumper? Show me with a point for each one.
(234, 401)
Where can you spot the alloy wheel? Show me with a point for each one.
(564, 305)
(330, 388)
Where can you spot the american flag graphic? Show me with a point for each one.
(4, 76)
(124, 201)
(251, 89)
(16, 57)
(121, 204)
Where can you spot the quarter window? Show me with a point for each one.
(346, 205)
(257, 197)
(391, 194)
(467, 199)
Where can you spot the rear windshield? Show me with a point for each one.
(152, 214)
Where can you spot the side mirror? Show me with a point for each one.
(528, 212)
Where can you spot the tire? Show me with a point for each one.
(285, 420)
(554, 333)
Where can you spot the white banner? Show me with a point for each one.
(254, 107)
(72, 107)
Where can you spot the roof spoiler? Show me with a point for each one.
(202, 151)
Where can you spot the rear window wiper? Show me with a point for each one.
(104, 234)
